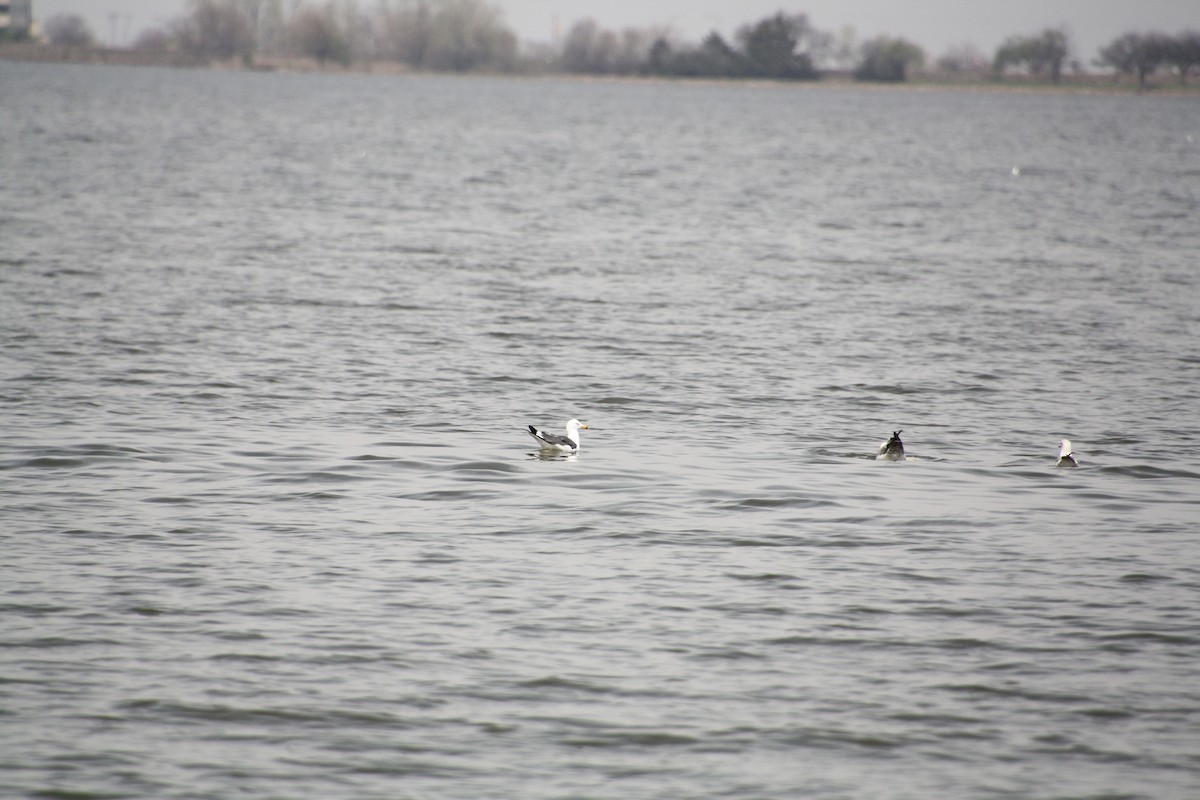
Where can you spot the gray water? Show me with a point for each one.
(272, 527)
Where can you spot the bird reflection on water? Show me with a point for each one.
(552, 455)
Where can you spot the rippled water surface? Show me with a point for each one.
(272, 528)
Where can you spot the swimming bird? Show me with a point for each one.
(1066, 458)
(561, 444)
(892, 449)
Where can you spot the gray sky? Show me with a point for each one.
(936, 25)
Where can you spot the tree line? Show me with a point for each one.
(435, 35)
(1137, 54)
(470, 35)
(1141, 54)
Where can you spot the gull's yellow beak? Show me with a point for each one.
(586, 427)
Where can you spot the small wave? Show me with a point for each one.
(77, 456)
(1152, 637)
(1148, 472)
(1106, 713)
(778, 502)
(414, 444)
(838, 737)
(557, 682)
(618, 400)
(483, 466)
(318, 496)
(954, 612)
(56, 642)
(804, 640)
(317, 476)
(1143, 577)
(1014, 692)
(51, 462)
(218, 712)
(881, 388)
(632, 739)
(249, 658)
(82, 794)
(438, 495)
(763, 577)
(33, 609)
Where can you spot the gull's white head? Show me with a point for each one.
(1064, 448)
(575, 425)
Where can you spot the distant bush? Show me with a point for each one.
(69, 30)
(316, 35)
(714, 58)
(215, 29)
(783, 47)
(780, 47)
(154, 40)
(588, 48)
(886, 59)
(962, 58)
(1041, 54)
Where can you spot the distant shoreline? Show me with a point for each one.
(1086, 83)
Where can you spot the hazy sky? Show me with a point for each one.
(936, 25)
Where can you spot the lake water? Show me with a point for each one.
(272, 527)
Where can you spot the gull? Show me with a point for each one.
(1066, 458)
(892, 449)
(555, 443)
